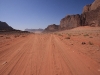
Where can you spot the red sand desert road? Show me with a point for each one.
(44, 54)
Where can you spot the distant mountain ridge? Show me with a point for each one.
(5, 27)
(34, 30)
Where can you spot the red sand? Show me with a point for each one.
(51, 54)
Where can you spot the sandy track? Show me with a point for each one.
(44, 55)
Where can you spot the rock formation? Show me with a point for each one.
(92, 6)
(91, 14)
(87, 8)
(95, 4)
(5, 27)
(90, 17)
(70, 21)
(52, 28)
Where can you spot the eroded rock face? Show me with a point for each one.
(5, 27)
(87, 8)
(95, 4)
(70, 21)
(52, 28)
(92, 6)
(91, 14)
(89, 17)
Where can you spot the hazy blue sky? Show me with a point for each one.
(21, 14)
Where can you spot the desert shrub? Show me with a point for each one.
(59, 34)
(90, 43)
(16, 36)
(23, 35)
(67, 38)
(69, 35)
(1, 36)
(86, 35)
(79, 34)
(83, 43)
(90, 37)
(8, 37)
(97, 34)
(55, 33)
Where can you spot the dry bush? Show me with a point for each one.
(86, 35)
(90, 37)
(1, 35)
(16, 36)
(69, 35)
(90, 43)
(23, 35)
(59, 34)
(8, 37)
(67, 38)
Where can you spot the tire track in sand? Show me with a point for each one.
(46, 54)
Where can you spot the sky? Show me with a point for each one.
(34, 14)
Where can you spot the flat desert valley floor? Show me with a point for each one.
(69, 52)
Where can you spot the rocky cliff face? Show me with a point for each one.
(95, 4)
(52, 28)
(92, 6)
(91, 14)
(5, 27)
(87, 8)
(90, 17)
(70, 21)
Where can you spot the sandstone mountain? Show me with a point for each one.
(90, 17)
(52, 28)
(95, 4)
(92, 6)
(5, 27)
(70, 21)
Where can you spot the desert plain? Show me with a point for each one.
(69, 52)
